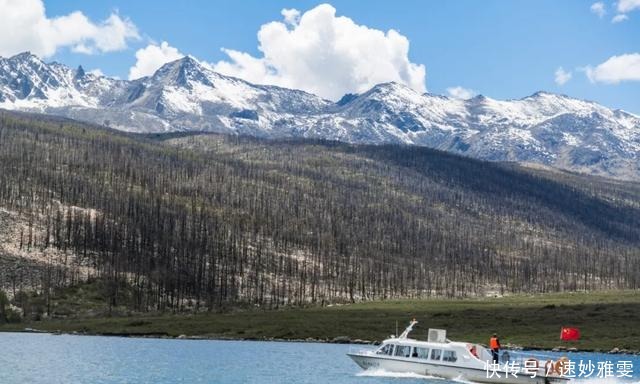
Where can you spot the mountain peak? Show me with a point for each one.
(479, 98)
(182, 72)
(551, 97)
(393, 89)
(541, 94)
(26, 57)
(190, 59)
(187, 62)
(80, 72)
(390, 85)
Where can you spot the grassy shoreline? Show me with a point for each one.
(607, 320)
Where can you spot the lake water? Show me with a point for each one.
(48, 359)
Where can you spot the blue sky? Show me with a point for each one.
(502, 49)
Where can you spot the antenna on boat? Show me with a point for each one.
(396, 328)
(408, 329)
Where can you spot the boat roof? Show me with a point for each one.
(434, 344)
(440, 341)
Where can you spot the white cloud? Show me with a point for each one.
(625, 6)
(24, 26)
(96, 72)
(461, 93)
(291, 16)
(616, 69)
(598, 9)
(152, 57)
(562, 76)
(619, 18)
(325, 54)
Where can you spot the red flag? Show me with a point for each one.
(569, 334)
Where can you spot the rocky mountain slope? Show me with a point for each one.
(186, 95)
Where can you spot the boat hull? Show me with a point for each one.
(400, 365)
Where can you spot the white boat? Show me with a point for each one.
(447, 359)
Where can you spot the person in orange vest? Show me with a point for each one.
(494, 345)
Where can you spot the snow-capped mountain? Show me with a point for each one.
(186, 95)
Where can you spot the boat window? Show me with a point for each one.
(421, 353)
(435, 354)
(403, 350)
(386, 350)
(449, 356)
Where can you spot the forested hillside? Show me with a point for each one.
(201, 222)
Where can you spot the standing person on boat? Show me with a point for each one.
(494, 345)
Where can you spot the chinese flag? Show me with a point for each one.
(569, 334)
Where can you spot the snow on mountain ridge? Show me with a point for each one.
(186, 95)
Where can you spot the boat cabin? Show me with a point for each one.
(436, 350)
